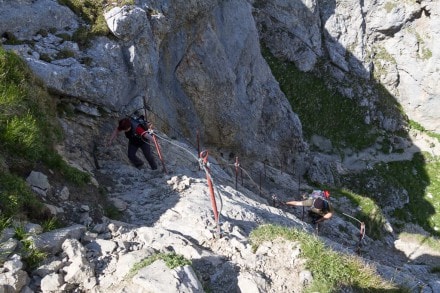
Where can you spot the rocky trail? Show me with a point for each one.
(172, 213)
(179, 203)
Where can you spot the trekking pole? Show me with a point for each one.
(204, 165)
(159, 152)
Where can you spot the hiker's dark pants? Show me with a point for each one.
(146, 150)
(314, 216)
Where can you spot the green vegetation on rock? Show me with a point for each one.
(322, 111)
(332, 271)
(28, 132)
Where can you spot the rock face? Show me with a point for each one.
(387, 43)
(197, 65)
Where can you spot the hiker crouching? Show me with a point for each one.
(320, 207)
(138, 137)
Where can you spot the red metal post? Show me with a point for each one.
(204, 156)
(159, 152)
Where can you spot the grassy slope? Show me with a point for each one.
(28, 132)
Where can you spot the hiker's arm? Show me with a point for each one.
(325, 217)
(295, 203)
(113, 136)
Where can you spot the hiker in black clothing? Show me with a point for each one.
(320, 208)
(138, 137)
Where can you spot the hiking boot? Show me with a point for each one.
(139, 166)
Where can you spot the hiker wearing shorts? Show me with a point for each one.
(320, 207)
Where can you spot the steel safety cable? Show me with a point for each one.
(176, 145)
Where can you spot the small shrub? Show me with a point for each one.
(43, 32)
(10, 39)
(110, 211)
(32, 256)
(45, 57)
(82, 36)
(26, 129)
(51, 224)
(20, 232)
(64, 54)
(4, 222)
(86, 61)
(172, 260)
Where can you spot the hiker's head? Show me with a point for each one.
(124, 124)
(318, 203)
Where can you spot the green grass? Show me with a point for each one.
(172, 260)
(331, 270)
(17, 198)
(55, 161)
(5, 222)
(417, 126)
(322, 111)
(31, 256)
(431, 196)
(369, 213)
(419, 177)
(27, 127)
(110, 211)
(51, 224)
(28, 132)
